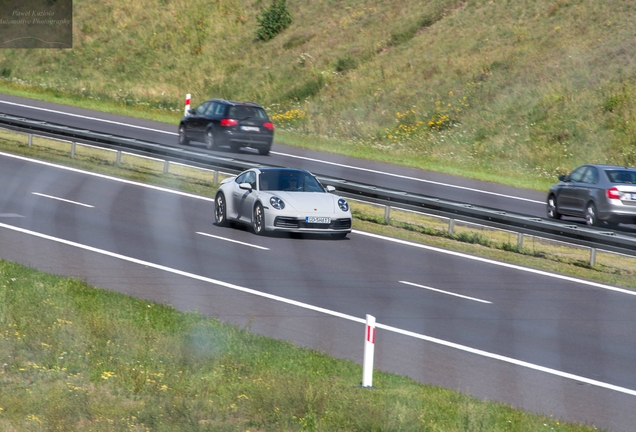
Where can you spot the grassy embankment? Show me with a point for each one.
(507, 91)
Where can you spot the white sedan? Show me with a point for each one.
(281, 199)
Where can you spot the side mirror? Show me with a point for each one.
(563, 178)
(330, 188)
(191, 112)
(245, 186)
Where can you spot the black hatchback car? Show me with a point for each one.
(219, 122)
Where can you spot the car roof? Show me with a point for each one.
(235, 103)
(283, 170)
(606, 167)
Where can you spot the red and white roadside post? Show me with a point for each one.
(187, 104)
(369, 345)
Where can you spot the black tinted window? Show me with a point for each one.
(621, 176)
(289, 181)
(201, 109)
(243, 112)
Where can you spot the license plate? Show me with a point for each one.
(314, 219)
(250, 128)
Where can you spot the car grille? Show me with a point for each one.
(288, 222)
(285, 222)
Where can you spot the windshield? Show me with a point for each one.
(291, 181)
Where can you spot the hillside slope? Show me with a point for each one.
(493, 87)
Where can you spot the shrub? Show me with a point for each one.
(273, 20)
(346, 63)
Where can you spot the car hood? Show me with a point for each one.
(313, 202)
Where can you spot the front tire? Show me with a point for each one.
(553, 213)
(210, 142)
(590, 215)
(183, 138)
(258, 219)
(220, 210)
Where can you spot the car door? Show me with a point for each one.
(198, 121)
(567, 200)
(243, 199)
(584, 190)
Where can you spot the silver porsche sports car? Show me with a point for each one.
(281, 199)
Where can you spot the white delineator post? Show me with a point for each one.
(187, 104)
(369, 345)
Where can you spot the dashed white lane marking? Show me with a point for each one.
(499, 263)
(62, 199)
(445, 292)
(232, 241)
(329, 312)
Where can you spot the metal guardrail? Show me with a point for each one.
(572, 233)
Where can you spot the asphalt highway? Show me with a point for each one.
(539, 341)
(478, 193)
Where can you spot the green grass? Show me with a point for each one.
(75, 357)
(435, 86)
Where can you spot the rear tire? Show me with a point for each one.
(263, 151)
(235, 147)
(258, 219)
(183, 138)
(220, 210)
(590, 215)
(553, 213)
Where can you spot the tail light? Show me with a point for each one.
(229, 122)
(268, 125)
(613, 193)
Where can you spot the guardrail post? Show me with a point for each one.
(387, 213)
(72, 149)
(520, 240)
(451, 226)
(216, 177)
(118, 161)
(592, 257)
(30, 140)
(369, 346)
(166, 166)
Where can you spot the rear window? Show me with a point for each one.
(244, 112)
(622, 176)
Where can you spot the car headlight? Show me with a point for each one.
(343, 204)
(277, 203)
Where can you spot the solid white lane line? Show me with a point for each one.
(328, 312)
(233, 241)
(62, 199)
(285, 154)
(107, 177)
(505, 359)
(410, 178)
(87, 118)
(498, 263)
(444, 292)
